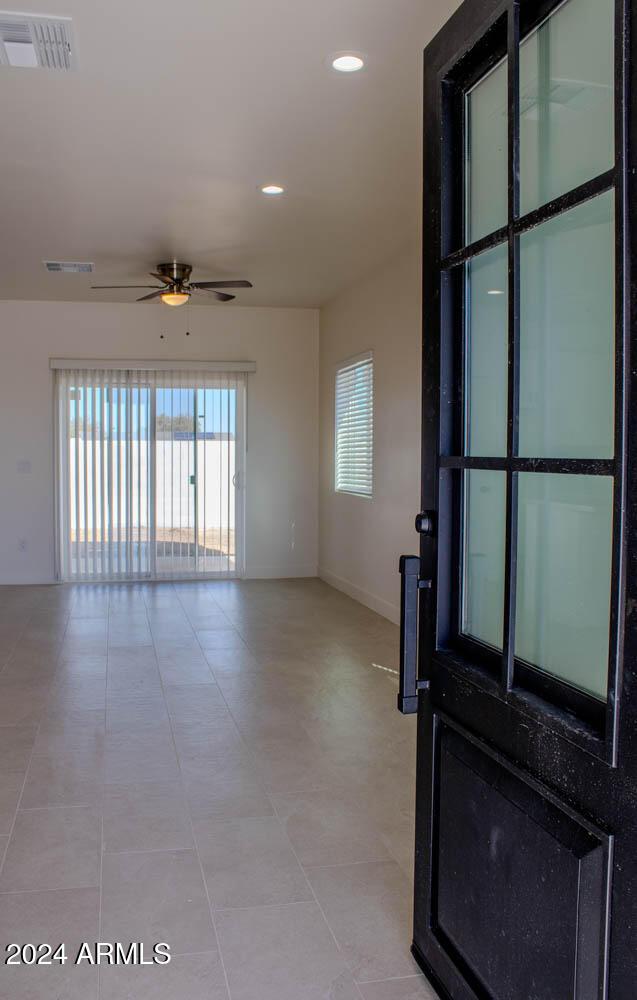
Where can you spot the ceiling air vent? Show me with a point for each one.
(68, 266)
(36, 41)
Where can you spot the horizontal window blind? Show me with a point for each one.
(149, 473)
(354, 426)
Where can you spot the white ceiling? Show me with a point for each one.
(154, 149)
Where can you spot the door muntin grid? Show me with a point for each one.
(583, 458)
(566, 97)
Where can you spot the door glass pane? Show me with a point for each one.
(486, 354)
(567, 334)
(216, 479)
(563, 577)
(483, 558)
(486, 184)
(566, 101)
(175, 481)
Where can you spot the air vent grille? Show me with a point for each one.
(30, 40)
(69, 266)
(14, 31)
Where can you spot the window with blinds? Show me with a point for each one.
(354, 426)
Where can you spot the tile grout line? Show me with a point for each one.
(55, 888)
(102, 797)
(7, 660)
(352, 864)
(183, 790)
(280, 824)
(394, 979)
(151, 850)
(316, 899)
(59, 805)
(31, 754)
(9, 654)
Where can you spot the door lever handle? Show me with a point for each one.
(410, 584)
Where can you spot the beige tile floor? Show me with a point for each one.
(215, 765)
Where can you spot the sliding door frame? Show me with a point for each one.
(61, 458)
(240, 475)
(152, 490)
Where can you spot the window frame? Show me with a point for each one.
(365, 358)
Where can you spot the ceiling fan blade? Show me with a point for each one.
(221, 284)
(123, 286)
(153, 295)
(161, 277)
(221, 296)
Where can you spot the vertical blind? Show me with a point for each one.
(149, 473)
(354, 426)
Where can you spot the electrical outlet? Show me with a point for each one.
(22, 545)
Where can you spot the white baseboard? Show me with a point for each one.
(378, 604)
(252, 573)
(35, 580)
(279, 572)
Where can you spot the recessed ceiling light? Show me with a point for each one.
(347, 62)
(495, 291)
(272, 189)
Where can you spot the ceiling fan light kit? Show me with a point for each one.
(175, 298)
(177, 288)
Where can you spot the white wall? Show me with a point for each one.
(174, 495)
(282, 495)
(362, 539)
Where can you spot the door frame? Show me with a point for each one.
(585, 769)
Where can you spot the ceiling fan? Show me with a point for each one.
(177, 287)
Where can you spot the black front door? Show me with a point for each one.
(524, 675)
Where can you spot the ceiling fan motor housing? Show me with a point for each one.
(176, 272)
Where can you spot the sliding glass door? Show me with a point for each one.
(175, 477)
(149, 474)
(197, 478)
